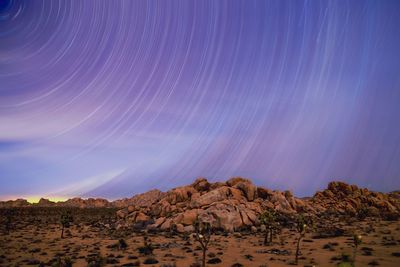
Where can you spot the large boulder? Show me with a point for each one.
(245, 185)
(213, 196)
(121, 214)
(264, 193)
(180, 194)
(141, 217)
(189, 216)
(227, 217)
(201, 184)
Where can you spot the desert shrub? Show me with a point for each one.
(390, 216)
(130, 264)
(122, 245)
(396, 254)
(9, 216)
(62, 262)
(96, 261)
(147, 248)
(150, 261)
(214, 261)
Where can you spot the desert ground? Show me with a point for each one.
(32, 237)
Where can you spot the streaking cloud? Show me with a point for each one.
(144, 94)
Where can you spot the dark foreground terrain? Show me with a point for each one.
(31, 237)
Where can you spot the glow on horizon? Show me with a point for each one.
(34, 199)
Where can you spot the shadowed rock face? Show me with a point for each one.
(238, 203)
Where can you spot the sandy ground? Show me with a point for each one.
(31, 245)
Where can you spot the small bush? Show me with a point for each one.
(147, 248)
(96, 261)
(122, 245)
(150, 261)
(214, 261)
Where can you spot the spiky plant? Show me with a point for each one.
(203, 235)
(357, 239)
(268, 218)
(301, 228)
(66, 221)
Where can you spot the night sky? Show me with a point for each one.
(111, 98)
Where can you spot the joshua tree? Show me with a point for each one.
(301, 228)
(66, 220)
(357, 239)
(203, 236)
(268, 219)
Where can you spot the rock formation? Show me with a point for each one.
(237, 203)
(14, 203)
(342, 198)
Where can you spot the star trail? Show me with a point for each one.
(111, 98)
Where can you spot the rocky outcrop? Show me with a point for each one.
(342, 198)
(228, 206)
(86, 203)
(14, 203)
(43, 202)
(237, 204)
(141, 200)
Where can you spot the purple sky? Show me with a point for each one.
(112, 98)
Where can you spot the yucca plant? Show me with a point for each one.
(301, 228)
(65, 220)
(357, 240)
(268, 218)
(203, 235)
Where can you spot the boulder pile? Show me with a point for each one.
(237, 204)
(342, 198)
